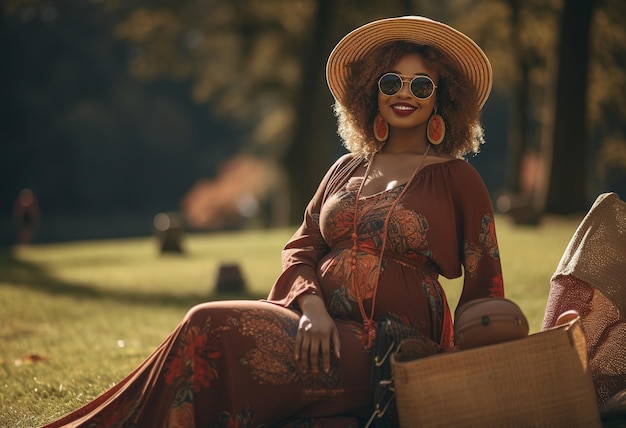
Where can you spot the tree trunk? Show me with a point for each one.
(518, 128)
(567, 170)
(311, 151)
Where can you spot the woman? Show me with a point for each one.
(303, 356)
(589, 281)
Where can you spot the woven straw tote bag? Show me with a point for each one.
(542, 380)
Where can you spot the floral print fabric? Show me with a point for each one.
(231, 364)
(444, 225)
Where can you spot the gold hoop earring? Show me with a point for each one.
(381, 128)
(435, 129)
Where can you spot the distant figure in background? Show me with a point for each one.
(26, 216)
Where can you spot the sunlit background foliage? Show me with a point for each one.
(115, 110)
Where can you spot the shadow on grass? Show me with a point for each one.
(19, 273)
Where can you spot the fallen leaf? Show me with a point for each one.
(31, 359)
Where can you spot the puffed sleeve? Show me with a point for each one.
(307, 246)
(479, 251)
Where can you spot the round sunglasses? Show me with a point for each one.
(422, 87)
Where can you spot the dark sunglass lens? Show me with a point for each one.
(390, 84)
(422, 87)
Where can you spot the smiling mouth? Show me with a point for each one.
(403, 108)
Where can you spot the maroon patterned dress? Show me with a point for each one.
(231, 364)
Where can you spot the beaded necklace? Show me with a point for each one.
(368, 321)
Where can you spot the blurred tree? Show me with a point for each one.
(311, 150)
(90, 139)
(519, 38)
(527, 46)
(244, 57)
(259, 66)
(260, 63)
(607, 98)
(566, 191)
(530, 47)
(521, 98)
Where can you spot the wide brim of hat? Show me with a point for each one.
(470, 58)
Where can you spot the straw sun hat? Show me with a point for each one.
(416, 29)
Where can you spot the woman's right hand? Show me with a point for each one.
(317, 333)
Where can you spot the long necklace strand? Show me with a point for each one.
(368, 321)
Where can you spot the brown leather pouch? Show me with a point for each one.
(488, 321)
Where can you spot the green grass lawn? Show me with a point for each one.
(77, 317)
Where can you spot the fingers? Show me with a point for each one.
(336, 343)
(298, 345)
(325, 360)
(313, 349)
(303, 343)
(305, 351)
(326, 349)
(314, 353)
